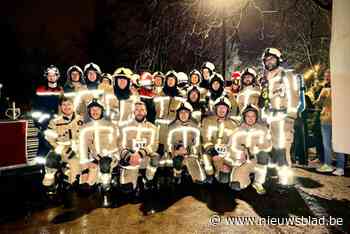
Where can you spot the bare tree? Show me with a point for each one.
(183, 34)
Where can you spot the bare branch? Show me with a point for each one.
(324, 4)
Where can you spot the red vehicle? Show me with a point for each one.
(18, 146)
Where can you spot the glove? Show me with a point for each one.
(177, 162)
(212, 152)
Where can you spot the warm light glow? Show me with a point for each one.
(222, 4)
(285, 175)
(248, 137)
(78, 96)
(312, 72)
(96, 128)
(221, 129)
(139, 132)
(246, 94)
(162, 101)
(184, 130)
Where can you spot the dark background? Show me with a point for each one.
(153, 35)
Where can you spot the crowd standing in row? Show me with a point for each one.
(135, 132)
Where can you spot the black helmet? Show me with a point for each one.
(184, 106)
(77, 69)
(95, 103)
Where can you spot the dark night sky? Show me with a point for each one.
(37, 33)
(41, 32)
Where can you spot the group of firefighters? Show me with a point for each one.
(128, 131)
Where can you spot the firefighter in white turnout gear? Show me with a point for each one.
(125, 100)
(216, 91)
(194, 79)
(198, 105)
(182, 83)
(147, 94)
(283, 96)
(249, 89)
(183, 145)
(75, 80)
(250, 145)
(98, 150)
(108, 98)
(216, 130)
(138, 146)
(45, 105)
(166, 105)
(92, 73)
(63, 135)
(98, 141)
(158, 80)
(207, 71)
(76, 89)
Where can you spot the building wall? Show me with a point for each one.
(340, 69)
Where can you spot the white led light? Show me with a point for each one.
(48, 93)
(246, 94)
(139, 132)
(96, 130)
(162, 103)
(184, 131)
(40, 160)
(78, 96)
(36, 114)
(213, 129)
(285, 175)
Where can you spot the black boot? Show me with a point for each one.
(177, 180)
(224, 177)
(209, 180)
(67, 196)
(149, 204)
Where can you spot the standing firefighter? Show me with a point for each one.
(182, 83)
(76, 88)
(166, 105)
(216, 90)
(147, 94)
(216, 130)
(98, 150)
(92, 72)
(249, 89)
(198, 105)
(63, 136)
(125, 99)
(45, 105)
(75, 80)
(47, 96)
(249, 141)
(195, 79)
(207, 70)
(108, 98)
(183, 145)
(281, 111)
(158, 82)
